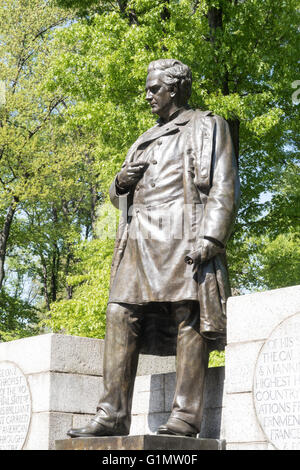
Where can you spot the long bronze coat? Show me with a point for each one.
(210, 177)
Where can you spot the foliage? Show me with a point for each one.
(270, 258)
(243, 70)
(18, 319)
(280, 260)
(83, 315)
(48, 186)
(216, 359)
(75, 103)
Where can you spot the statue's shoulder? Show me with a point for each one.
(200, 115)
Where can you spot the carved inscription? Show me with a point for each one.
(276, 387)
(15, 407)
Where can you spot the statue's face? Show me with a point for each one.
(158, 95)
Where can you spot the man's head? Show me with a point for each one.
(168, 86)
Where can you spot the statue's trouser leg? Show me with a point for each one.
(192, 363)
(121, 351)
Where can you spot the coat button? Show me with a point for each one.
(154, 162)
(159, 142)
(137, 188)
(153, 185)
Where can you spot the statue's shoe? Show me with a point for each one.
(176, 427)
(96, 429)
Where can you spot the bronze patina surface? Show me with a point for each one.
(178, 193)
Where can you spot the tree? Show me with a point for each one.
(18, 318)
(48, 183)
(25, 28)
(242, 54)
(83, 315)
(243, 61)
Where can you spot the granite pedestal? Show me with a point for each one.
(140, 442)
(51, 383)
(262, 379)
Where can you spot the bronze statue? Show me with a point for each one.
(178, 190)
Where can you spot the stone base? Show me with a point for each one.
(140, 442)
(65, 379)
(251, 319)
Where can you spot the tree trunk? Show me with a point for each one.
(54, 262)
(4, 238)
(69, 289)
(54, 274)
(45, 280)
(215, 21)
(94, 201)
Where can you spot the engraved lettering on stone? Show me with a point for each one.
(276, 387)
(15, 407)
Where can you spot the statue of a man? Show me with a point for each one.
(178, 190)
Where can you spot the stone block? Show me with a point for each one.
(59, 423)
(45, 428)
(252, 317)
(170, 381)
(240, 419)
(154, 420)
(147, 383)
(140, 442)
(214, 387)
(53, 352)
(249, 446)
(40, 391)
(149, 365)
(39, 430)
(80, 420)
(147, 423)
(75, 393)
(212, 425)
(69, 393)
(240, 364)
(76, 355)
(148, 402)
(64, 375)
(30, 354)
(138, 424)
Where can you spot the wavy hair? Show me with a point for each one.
(175, 73)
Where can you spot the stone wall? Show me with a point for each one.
(251, 320)
(52, 382)
(64, 376)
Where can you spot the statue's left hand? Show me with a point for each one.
(206, 251)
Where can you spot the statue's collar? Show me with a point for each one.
(180, 117)
(183, 116)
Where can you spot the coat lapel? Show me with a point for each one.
(169, 128)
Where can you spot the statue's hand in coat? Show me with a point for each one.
(206, 251)
(130, 174)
